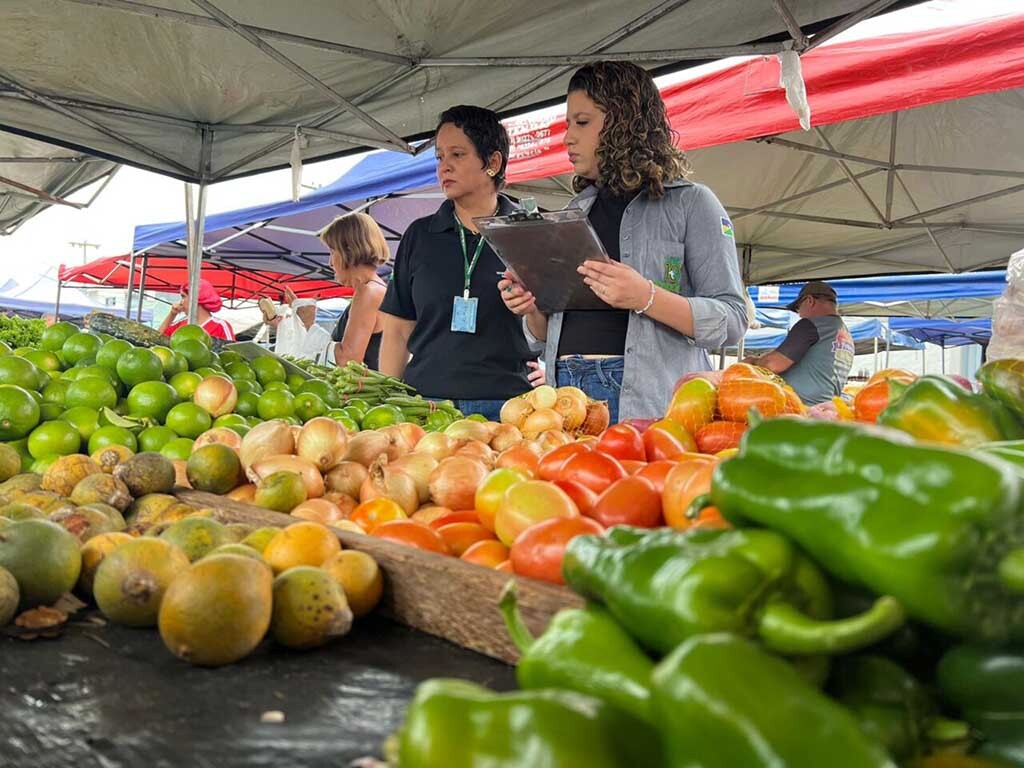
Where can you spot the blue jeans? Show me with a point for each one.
(600, 378)
(491, 409)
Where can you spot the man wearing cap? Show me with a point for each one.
(817, 354)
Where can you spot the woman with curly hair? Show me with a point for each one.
(672, 286)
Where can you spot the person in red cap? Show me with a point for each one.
(209, 302)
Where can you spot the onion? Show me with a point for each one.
(342, 501)
(296, 431)
(454, 481)
(322, 441)
(286, 463)
(365, 447)
(398, 442)
(391, 484)
(597, 418)
(543, 396)
(221, 435)
(541, 420)
(552, 439)
(474, 449)
(514, 411)
(505, 436)
(318, 510)
(271, 438)
(245, 493)
(436, 444)
(467, 429)
(572, 407)
(216, 395)
(418, 466)
(412, 432)
(346, 478)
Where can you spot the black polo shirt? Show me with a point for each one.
(429, 273)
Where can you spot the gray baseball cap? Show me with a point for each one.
(814, 288)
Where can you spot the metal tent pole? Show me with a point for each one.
(56, 306)
(142, 286)
(128, 293)
(196, 229)
(875, 362)
(942, 346)
(888, 342)
(924, 360)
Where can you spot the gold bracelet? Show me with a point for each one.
(650, 301)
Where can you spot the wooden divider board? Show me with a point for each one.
(443, 596)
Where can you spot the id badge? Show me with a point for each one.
(464, 314)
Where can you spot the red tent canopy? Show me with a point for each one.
(168, 274)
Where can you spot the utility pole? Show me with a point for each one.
(84, 245)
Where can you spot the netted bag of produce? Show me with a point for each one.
(1008, 313)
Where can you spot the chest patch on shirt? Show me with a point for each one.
(673, 274)
(727, 228)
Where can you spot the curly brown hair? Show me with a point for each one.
(637, 144)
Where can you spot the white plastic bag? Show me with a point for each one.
(1008, 313)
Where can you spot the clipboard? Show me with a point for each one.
(543, 250)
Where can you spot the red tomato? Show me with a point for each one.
(632, 467)
(630, 501)
(523, 456)
(657, 471)
(450, 517)
(528, 503)
(594, 470)
(539, 550)
(665, 439)
(504, 566)
(461, 536)
(490, 553)
(719, 435)
(412, 534)
(583, 496)
(553, 461)
(622, 441)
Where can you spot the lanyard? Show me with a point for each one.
(467, 264)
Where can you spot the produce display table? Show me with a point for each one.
(108, 696)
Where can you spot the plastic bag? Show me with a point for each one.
(1008, 313)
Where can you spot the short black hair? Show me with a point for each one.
(484, 129)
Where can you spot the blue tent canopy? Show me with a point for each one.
(39, 298)
(952, 296)
(864, 333)
(946, 333)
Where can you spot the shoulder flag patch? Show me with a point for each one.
(727, 228)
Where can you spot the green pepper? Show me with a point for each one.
(665, 586)
(935, 409)
(724, 703)
(582, 650)
(939, 529)
(1003, 380)
(457, 724)
(986, 685)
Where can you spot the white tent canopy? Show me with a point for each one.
(34, 176)
(206, 90)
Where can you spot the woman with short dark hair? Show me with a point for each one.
(442, 306)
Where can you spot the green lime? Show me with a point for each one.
(21, 447)
(153, 399)
(275, 404)
(56, 391)
(355, 413)
(381, 416)
(5, 348)
(295, 381)
(248, 404)
(80, 346)
(229, 356)
(105, 337)
(229, 419)
(111, 352)
(240, 429)
(86, 420)
(36, 395)
(189, 332)
(185, 383)
(323, 390)
(477, 417)
(240, 371)
(117, 417)
(19, 412)
(101, 372)
(54, 375)
(92, 392)
(21, 373)
(357, 402)
(138, 365)
(347, 422)
(50, 411)
(47, 361)
(111, 435)
(309, 406)
(195, 352)
(437, 421)
(188, 420)
(171, 361)
(39, 466)
(53, 338)
(155, 438)
(207, 371)
(269, 369)
(278, 386)
(245, 385)
(178, 448)
(54, 437)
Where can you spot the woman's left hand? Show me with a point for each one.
(536, 373)
(616, 284)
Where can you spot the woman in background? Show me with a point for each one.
(209, 302)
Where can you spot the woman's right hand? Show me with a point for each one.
(518, 300)
(178, 307)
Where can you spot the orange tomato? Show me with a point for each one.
(539, 550)
(528, 503)
(737, 396)
(582, 496)
(739, 371)
(875, 398)
(665, 439)
(687, 480)
(794, 404)
(719, 435)
(412, 534)
(505, 567)
(489, 553)
(492, 491)
(461, 536)
(458, 516)
(899, 374)
(622, 441)
(525, 456)
(656, 472)
(630, 501)
(632, 467)
(693, 404)
(594, 470)
(553, 461)
(375, 512)
(427, 515)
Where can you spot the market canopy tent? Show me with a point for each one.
(34, 176)
(945, 333)
(867, 335)
(207, 90)
(44, 296)
(968, 295)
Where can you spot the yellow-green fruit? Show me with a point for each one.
(309, 608)
(146, 510)
(93, 553)
(237, 549)
(48, 502)
(214, 468)
(197, 536)
(218, 611)
(84, 523)
(112, 514)
(67, 471)
(10, 462)
(281, 491)
(42, 557)
(102, 488)
(238, 531)
(19, 511)
(110, 457)
(259, 538)
(9, 597)
(360, 579)
(144, 473)
(131, 581)
(22, 483)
